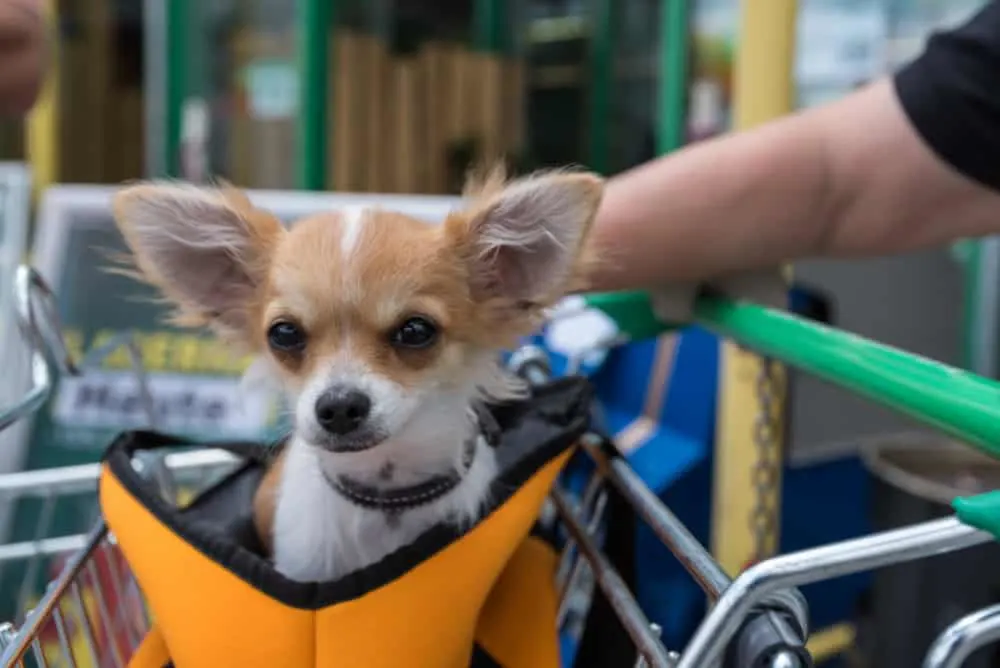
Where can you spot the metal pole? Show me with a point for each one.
(981, 306)
(692, 555)
(488, 26)
(314, 20)
(616, 591)
(178, 27)
(43, 148)
(602, 67)
(673, 84)
(960, 640)
(762, 91)
(821, 563)
(155, 31)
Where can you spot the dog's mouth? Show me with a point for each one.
(358, 441)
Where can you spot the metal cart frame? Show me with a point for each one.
(758, 619)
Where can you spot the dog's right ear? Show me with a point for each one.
(207, 250)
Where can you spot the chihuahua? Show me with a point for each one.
(384, 333)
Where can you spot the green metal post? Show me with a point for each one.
(314, 20)
(971, 267)
(673, 83)
(177, 61)
(602, 67)
(488, 26)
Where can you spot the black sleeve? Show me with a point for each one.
(951, 94)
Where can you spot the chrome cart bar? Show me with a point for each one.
(821, 563)
(960, 640)
(767, 626)
(697, 560)
(531, 363)
(692, 554)
(619, 597)
(25, 280)
(40, 614)
(83, 477)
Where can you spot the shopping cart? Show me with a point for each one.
(93, 613)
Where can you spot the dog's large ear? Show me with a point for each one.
(205, 249)
(525, 242)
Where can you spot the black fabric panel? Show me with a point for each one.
(480, 659)
(951, 94)
(533, 433)
(605, 642)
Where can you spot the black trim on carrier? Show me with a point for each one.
(534, 432)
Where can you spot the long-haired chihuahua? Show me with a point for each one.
(385, 335)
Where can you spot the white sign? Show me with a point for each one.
(180, 404)
(272, 88)
(840, 44)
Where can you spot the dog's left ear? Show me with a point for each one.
(525, 242)
(205, 249)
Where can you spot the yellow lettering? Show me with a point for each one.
(118, 358)
(163, 351)
(74, 343)
(185, 355)
(155, 351)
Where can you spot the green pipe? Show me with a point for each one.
(958, 403)
(673, 84)
(178, 30)
(970, 252)
(602, 54)
(314, 18)
(488, 26)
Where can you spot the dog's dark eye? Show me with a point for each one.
(415, 332)
(286, 337)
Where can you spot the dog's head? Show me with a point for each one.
(381, 328)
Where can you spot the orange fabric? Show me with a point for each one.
(452, 586)
(517, 624)
(151, 652)
(193, 598)
(425, 619)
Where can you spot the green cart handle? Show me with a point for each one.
(632, 312)
(981, 512)
(958, 403)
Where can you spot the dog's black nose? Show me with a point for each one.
(340, 411)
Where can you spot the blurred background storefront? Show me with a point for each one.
(413, 89)
(403, 96)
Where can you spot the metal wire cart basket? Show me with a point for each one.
(94, 614)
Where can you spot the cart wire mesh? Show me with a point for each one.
(92, 612)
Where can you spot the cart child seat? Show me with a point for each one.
(483, 597)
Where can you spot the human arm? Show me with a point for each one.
(22, 55)
(882, 170)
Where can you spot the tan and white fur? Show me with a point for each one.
(328, 307)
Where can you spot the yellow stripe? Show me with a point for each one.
(634, 434)
(762, 91)
(43, 121)
(637, 432)
(659, 376)
(830, 642)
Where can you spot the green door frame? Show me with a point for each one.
(184, 54)
(602, 73)
(177, 65)
(313, 20)
(675, 31)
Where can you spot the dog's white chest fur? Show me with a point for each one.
(319, 535)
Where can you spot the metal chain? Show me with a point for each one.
(767, 430)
